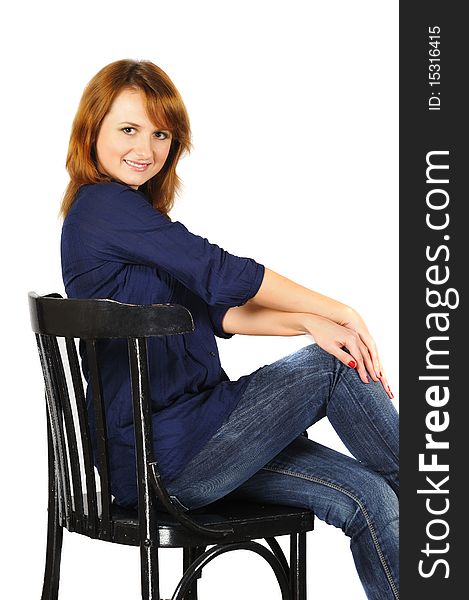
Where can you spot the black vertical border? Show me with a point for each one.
(422, 131)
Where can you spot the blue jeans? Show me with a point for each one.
(259, 453)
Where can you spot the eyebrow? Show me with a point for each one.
(137, 125)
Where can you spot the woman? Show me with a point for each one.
(214, 436)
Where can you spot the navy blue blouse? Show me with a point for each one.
(116, 245)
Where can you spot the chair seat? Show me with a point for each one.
(248, 521)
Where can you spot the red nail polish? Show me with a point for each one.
(352, 364)
(380, 374)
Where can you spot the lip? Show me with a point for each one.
(135, 165)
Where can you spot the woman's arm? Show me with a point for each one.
(282, 294)
(252, 319)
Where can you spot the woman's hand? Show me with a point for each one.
(282, 294)
(352, 334)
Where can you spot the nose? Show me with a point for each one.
(142, 147)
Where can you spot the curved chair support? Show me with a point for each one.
(191, 525)
(195, 568)
(277, 550)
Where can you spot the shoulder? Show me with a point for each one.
(113, 190)
(114, 206)
(97, 199)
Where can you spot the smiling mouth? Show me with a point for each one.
(136, 166)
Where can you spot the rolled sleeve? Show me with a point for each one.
(117, 223)
(216, 314)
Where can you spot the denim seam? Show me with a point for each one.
(385, 442)
(362, 508)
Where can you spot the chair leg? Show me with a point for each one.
(149, 571)
(298, 566)
(50, 589)
(190, 554)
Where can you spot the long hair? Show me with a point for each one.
(165, 108)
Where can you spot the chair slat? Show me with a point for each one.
(72, 442)
(101, 438)
(90, 502)
(57, 370)
(48, 353)
(57, 484)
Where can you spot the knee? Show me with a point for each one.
(376, 508)
(314, 352)
(330, 362)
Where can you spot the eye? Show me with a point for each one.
(162, 135)
(128, 130)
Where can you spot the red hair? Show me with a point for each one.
(165, 108)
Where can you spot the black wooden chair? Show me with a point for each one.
(78, 504)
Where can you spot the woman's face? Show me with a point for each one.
(130, 148)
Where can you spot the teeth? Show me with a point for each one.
(136, 165)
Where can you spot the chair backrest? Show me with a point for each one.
(83, 495)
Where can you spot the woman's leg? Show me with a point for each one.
(341, 492)
(282, 400)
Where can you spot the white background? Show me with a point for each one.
(294, 114)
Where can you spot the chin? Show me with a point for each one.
(134, 182)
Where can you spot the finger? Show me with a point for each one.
(375, 367)
(380, 369)
(376, 363)
(344, 357)
(370, 367)
(361, 369)
(360, 353)
(385, 385)
(354, 345)
(356, 359)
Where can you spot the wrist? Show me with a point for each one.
(346, 314)
(308, 322)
